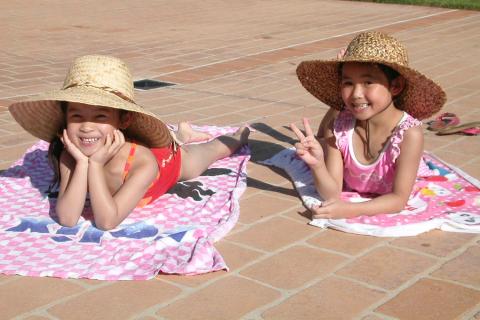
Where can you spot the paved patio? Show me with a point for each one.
(234, 62)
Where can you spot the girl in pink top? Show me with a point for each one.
(375, 144)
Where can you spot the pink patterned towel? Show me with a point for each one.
(444, 197)
(174, 234)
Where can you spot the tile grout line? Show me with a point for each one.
(422, 275)
(257, 260)
(306, 285)
(267, 254)
(58, 301)
(313, 41)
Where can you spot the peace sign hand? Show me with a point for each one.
(308, 148)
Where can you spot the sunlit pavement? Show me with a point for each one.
(233, 62)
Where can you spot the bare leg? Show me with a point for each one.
(186, 134)
(196, 158)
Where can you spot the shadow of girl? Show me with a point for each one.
(35, 167)
(36, 173)
(262, 150)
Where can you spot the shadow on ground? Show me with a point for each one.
(263, 150)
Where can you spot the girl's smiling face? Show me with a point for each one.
(365, 89)
(88, 126)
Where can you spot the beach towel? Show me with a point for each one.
(443, 198)
(173, 235)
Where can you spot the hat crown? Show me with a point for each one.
(376, 46)
(102, 72)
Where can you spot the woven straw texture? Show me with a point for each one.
(94, 80)
(421, 98)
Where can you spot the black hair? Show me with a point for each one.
(389, 72)
(56, 147)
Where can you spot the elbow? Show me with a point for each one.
(398, 208)
(67, 222)
(106, 218)
(66, 216)
(106, 225)
(400, 204)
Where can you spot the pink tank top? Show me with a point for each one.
(376, 178)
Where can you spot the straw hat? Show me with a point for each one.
(421, 97)
(95, 80)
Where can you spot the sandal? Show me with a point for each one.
(470, 128)
(443, 121)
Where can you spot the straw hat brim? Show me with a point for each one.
(421, 98)
(42, 116)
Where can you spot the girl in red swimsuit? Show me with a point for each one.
(104, 144)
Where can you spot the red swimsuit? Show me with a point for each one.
(169, 161)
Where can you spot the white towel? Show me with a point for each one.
(419, 216)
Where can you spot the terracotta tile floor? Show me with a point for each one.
(234, 62)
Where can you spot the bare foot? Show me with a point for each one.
(186, 134)
(242, 134)
(229, 143)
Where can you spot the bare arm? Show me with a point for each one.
(110, 210)
(334, 164)
(73, 185)
(406, 171)
(327, 173)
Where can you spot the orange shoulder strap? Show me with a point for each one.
(128, 163)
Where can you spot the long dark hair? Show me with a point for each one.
(389, 72)
(56, 147)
